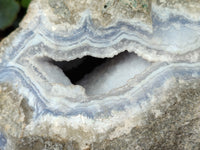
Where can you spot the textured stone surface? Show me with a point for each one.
(103, 12)
(172, 124)
(144, 98)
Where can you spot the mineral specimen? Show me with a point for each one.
(144, 93)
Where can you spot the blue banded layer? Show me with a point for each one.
(175, 39)
(140, 91)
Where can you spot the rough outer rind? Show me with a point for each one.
(15, 115)
(172, 123)
(103, 12)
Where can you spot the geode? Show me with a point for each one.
(102, 74)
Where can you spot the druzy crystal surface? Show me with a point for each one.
(102, 74)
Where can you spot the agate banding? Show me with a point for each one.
(145, 51)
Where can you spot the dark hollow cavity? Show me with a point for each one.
(76, 69)
(101, 75)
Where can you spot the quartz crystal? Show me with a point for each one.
(102, 74)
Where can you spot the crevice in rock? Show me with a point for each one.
(28, 111)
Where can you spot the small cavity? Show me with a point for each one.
(101, 75)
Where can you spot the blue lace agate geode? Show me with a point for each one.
(149, 49)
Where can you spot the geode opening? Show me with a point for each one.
(101, 75)
(76, 69)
